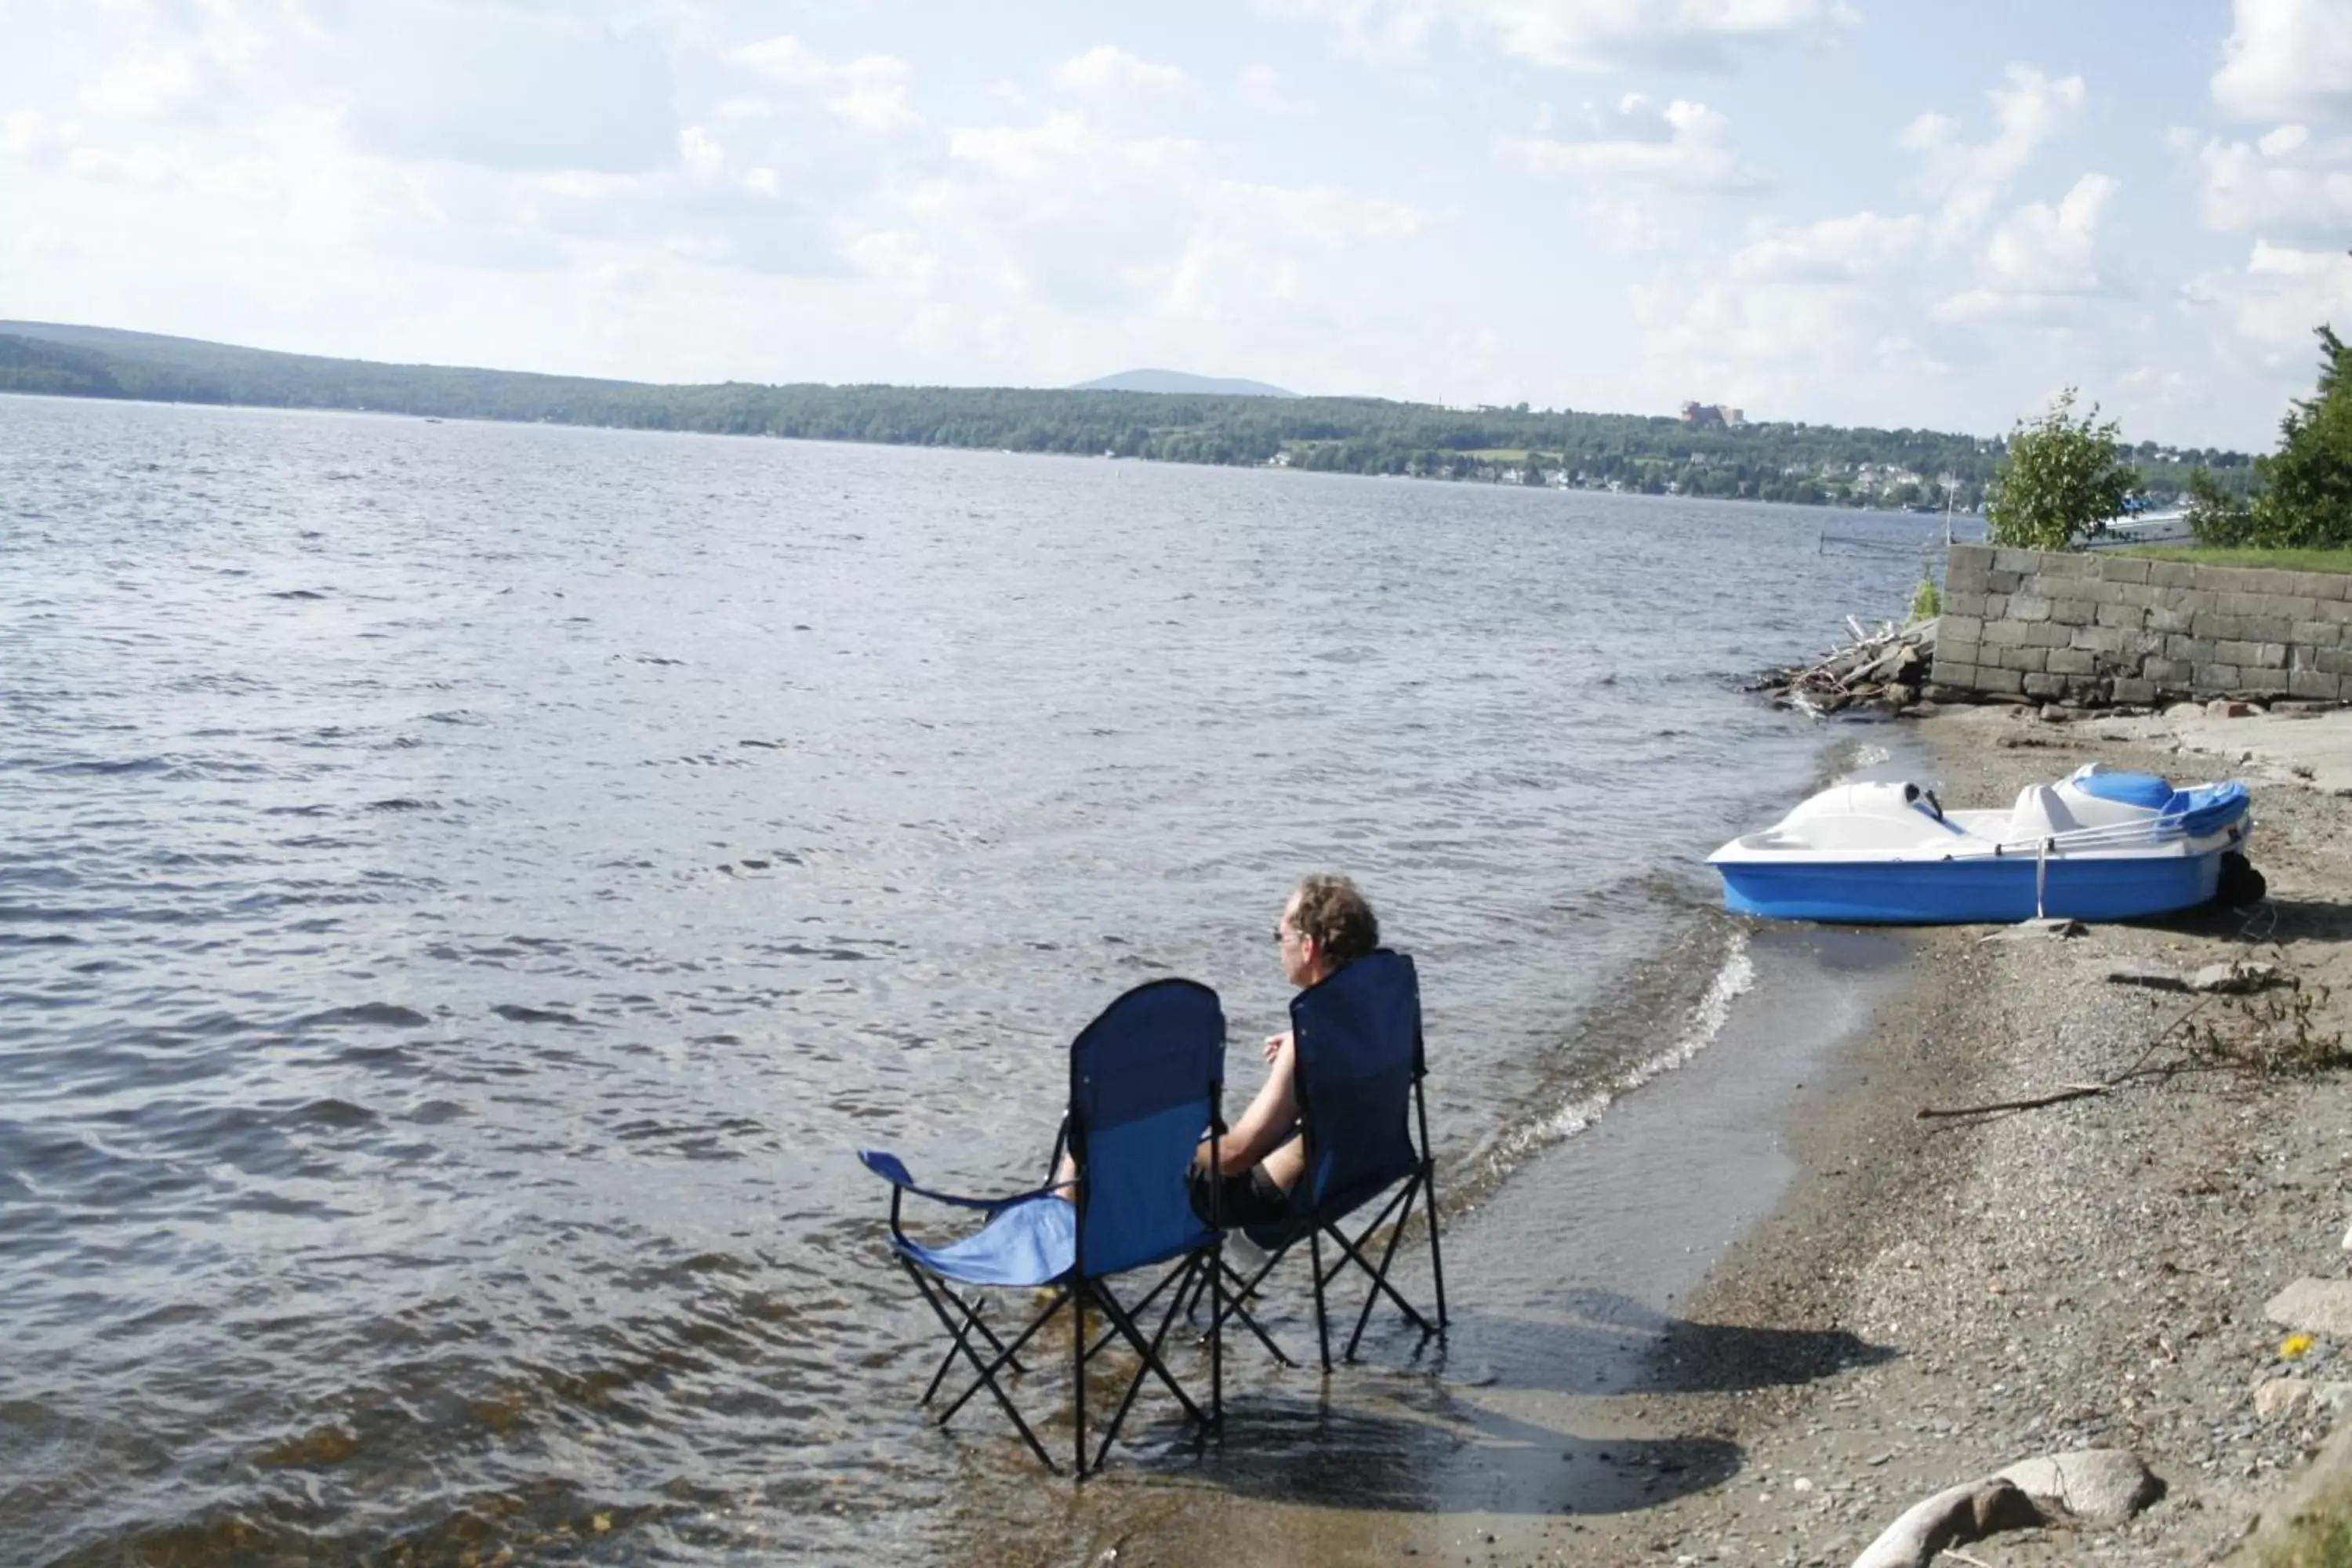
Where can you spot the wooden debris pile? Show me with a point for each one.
(1883, 666)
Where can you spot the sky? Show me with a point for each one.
(1862, 212)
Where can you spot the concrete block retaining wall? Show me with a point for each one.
(2096, 628)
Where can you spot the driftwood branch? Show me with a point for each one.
(1887, 664)
(2078, 1091)
(2141, 1068)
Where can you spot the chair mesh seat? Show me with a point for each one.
(1034, 1242)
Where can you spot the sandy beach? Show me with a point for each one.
(1925, 1301)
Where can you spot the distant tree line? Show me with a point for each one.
(1806, 464)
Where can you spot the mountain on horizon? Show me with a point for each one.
(1182, 381)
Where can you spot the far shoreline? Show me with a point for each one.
(1826, 508)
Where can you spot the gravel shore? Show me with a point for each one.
(2086, 1274)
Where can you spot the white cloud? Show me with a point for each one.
(2262, 315)
(704, 158)
(1264, 88)
(1640, 166)
(1067, 213)
(1579, 35)
(506, 90)
(184, 64)
(1833, 348)
(152, 86)
(1685, 145)
(1817, 317)
(1109, 77)
(1064, 156)
(1833, 250)
(2287, 59)
(1968, 177)
(1864, 318)
(2284, 185)
(34, 137)
(2039, 256)
(869, 91)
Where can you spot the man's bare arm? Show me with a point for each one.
(1269, 1121)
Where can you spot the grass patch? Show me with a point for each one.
(2317, 1542)
(2281, 560)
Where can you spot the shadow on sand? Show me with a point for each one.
(2299, 919)
(2272, 920)
(1397, 1451)
(1487, 1417)
(1604, 1343)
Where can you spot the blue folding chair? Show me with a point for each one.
(1145, 1081)
(1366, 1121)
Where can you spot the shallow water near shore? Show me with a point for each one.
(464, 890)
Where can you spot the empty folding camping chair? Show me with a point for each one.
(1146, 1077)
(1360, 1108)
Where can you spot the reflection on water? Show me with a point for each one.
(463, 891)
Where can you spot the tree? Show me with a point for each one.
(2306, 499)
(2064, 477)
(2215, 516)
(2304, 495)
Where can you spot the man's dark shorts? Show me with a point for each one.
(1233, 1202)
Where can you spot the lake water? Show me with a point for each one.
(466, 889)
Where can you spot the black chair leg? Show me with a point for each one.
(1216, 1332)
(1322, 1326)
(1192, 1297)
(972, 1318)
(1238, 1306)
(1352, 1251)
(1381, 1274)
(1436, 1263)
(1078, 1292)
(987, 1370)
(1151, 1364)
(1148, 1350)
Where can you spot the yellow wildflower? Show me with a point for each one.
(2295, 1347)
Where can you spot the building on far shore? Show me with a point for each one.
(1713, 416)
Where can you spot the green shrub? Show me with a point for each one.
(2319, 1541)
(2064, 479)
(1926, 603)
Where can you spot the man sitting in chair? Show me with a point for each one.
(1326, 926)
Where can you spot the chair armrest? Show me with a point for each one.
(891, 1169)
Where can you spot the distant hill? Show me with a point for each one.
(105, 362)
(1179, 381)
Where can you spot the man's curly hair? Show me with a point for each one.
(1330, 909)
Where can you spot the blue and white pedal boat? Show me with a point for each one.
(2100, 845)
